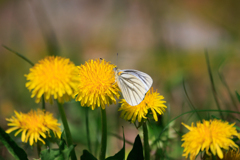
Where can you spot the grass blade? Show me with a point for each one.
(238, 96)
(18, 54)
(189, 101)
(227, 87)
(212, 85)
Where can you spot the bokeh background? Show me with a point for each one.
(166, 39)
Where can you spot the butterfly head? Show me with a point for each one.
(117, 71)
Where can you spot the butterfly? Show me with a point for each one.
(133, 84)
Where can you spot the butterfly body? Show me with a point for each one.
(134, 84)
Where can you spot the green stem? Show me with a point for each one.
(38, 149)
(43, 104)
(87, 129)
(67, 130)
(104, 135)
(146, 144)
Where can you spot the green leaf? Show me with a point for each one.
(87, 156)
(121, 154)
(62, 153)
(137, 150)
(17, 152)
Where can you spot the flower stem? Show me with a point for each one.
(38, 149)
(43, 104)
(146, 144)
(87, 129)
(67, 130)
(104, 135)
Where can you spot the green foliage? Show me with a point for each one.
(17, 152)
(62, 153)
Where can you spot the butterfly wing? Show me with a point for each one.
(145, 78)
(134, 85)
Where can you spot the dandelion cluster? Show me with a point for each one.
(35, 125)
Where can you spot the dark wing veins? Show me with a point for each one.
(133, 89)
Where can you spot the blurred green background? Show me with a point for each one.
(165, 39)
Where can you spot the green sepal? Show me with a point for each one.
(17, 152)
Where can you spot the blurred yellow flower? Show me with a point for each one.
(97, 86)
(213, 135)
(227, 155)
(153, 101)
(34, 125)
(231, 155)
(53, 76)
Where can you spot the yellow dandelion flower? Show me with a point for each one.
(97, 86)
(34, 126)
(213, 135)
(153, 101)
(53, 77)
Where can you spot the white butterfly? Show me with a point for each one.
(133, 84)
